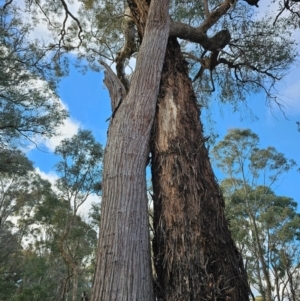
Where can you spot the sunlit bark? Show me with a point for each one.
(123, 264)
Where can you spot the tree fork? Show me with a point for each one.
(195, 257)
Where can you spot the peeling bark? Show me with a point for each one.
(123, 269)
(195, 257)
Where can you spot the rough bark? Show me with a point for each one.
(123, 269)
(195, 257)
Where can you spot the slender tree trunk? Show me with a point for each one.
(277, 285)
(261, 258)
(75, 283)
(123, 261)
(65, 283)
(290, 277)
(195, 257)
(259, 281)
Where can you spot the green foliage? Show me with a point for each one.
(54, 215)
(19, 194)
(239, 157)
(265, 226)
(36, 284)
(29, 106)
(276, 222)
(256, 58)
(80, 168)
(13, 161)
(69, 238)
(48, 241)
(95, 215)
(258, 55)
(10, 261)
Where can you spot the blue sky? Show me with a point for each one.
(88, 102)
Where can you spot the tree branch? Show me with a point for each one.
(288, 5)
(216, 14)
(63, 30)
(68, 13)
(206, 10)
(116, 89)
(6, 4)
(197, 35)
(128, 48)
(237, 66)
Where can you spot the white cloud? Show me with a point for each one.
(66, 130)
(51, 176)
(87, 205)
(41, 30)
(288, 91)
(292, 97)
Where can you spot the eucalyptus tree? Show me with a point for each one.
(29, 105)
(19, 195)
(80, 176)
(10, 261)
(39, 276)
(190, 241)
(265, 226)
(67, 245)
(195, 256)
(20, 192)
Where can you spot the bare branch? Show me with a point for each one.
(237, 66)
(206, 10)
(288, 5)
(197, 35)
(215, 15)
(115, 87)
(44, 13)
(74, 18)
(191, 56)
(6, 4)
(128, 48)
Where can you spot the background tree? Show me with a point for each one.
(47, 249)
(30, 107)
(70, 243)
(19, 195)
(80, 171)
(265, 226)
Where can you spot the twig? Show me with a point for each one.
(6, 4)
(206, 10)
(68, 13)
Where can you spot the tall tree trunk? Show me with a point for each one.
(195, 257)
(123, 261)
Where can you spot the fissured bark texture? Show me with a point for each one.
(123, 269)
(194, 255)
